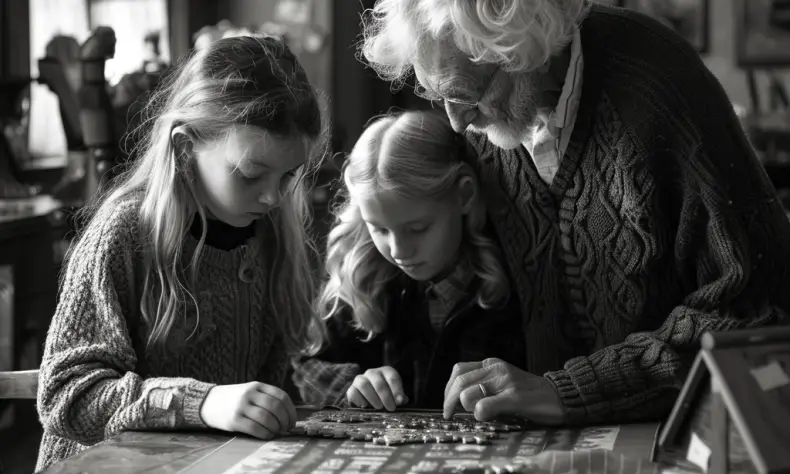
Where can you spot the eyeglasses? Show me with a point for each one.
(433, 96)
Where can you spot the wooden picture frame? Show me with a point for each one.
(689, 18)
(761, 36)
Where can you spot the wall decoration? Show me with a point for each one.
(762, 29)
(687, 17)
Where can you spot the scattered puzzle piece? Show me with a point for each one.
(393, 429)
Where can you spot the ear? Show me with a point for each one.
(467, 192)
(183, 140)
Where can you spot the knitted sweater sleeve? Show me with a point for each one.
(738, 259)
(88, 389)
(730, 234)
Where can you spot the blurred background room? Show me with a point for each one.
(51, 165)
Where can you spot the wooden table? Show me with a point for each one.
(203, 453)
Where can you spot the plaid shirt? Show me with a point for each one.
(324, 383)
(549, 139)
(423, 358)
(445, 294)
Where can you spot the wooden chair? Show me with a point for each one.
(20, 384)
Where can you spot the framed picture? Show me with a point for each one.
(762, 32)
(687, 17)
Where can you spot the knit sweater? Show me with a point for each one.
(98, 379)
(660, 225)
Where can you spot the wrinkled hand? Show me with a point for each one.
(253, 408)
(381, 387)
(509, 391)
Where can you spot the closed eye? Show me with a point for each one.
(238, 173)
(288, 183)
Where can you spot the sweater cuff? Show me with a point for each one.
(579, 390)
(194, 397)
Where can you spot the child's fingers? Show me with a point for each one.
(253, 428)
(273, 406)
(382, 388)
(396, 384)
(364, 386)
(355, 397)
(264, 417)
(285, 399)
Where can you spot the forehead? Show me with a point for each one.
(442, 61)
(389, 209)
(253, 145)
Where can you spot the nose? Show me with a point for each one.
(460, 115)
(270, 194)
(400, 248)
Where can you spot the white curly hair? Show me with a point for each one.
(518, 35)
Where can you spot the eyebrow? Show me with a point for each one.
(250, 158)
(420, 220)
(458, 83)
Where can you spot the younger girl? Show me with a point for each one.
(415, 284)
(190, 288)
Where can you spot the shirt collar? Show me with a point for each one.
(565, 112)
(454, 287)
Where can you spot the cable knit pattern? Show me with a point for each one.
(96, 378)
(660, 225)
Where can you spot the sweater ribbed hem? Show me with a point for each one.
(579, 390)
(193, 401)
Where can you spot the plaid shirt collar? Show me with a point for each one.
(454, 287)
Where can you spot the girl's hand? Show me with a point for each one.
(253, 408)
(381, 387)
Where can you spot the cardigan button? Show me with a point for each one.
(246, 274)
(544, 200)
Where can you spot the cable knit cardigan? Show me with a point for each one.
(659, 225)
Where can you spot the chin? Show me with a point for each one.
(420, 274)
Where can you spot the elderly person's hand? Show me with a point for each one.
(493, 387)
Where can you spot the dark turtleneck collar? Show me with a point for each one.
(220, 235)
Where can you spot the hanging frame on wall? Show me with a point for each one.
(762, 29)
(689, 18)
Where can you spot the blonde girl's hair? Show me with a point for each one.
(235, 81)
(518, 35)
(415, 154)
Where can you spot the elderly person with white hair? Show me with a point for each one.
(632, 210)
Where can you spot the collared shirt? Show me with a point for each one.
(548, 140)
(445, 294)
(325, 382)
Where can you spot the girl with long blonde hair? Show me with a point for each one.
(190, 289)
(415, 284)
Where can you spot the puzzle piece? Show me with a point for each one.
(392, 429)
(483, 468)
